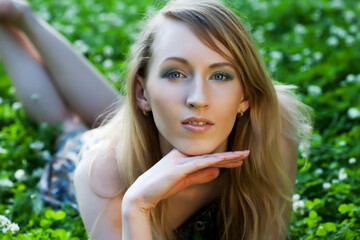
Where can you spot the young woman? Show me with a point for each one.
(204, 146)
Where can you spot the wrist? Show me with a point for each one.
(134, 205)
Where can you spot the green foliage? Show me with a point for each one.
(311, 44)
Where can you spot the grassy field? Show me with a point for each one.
(312, 44)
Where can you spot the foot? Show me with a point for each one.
(14, 11)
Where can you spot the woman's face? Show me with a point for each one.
(193, 92)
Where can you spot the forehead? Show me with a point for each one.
(175, 38)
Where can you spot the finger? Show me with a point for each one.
(202, 176)
(212, 160)
(232, 164)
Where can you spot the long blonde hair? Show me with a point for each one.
(256, 195)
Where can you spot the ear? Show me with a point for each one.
(244, 103)
(141, 94)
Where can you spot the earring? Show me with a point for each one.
(240, 114)
(145, 113)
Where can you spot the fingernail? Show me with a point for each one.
(246, 152)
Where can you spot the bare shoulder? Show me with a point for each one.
(98, 191)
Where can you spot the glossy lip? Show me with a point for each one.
(197, 128)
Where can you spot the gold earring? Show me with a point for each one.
(145, 113)
(240, 114)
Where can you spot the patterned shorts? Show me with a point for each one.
(57, 181)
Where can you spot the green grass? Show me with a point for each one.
(312, 44)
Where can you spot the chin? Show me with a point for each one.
(195, 150)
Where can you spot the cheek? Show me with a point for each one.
(165, 106)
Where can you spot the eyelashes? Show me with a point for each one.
(222, 76)
(177, 74)
(174, 75)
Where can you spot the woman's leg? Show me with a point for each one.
(80, 86)
(32, 83)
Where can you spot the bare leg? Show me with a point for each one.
(33, 87)
(80, 86)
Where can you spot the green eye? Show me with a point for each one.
(221, 76)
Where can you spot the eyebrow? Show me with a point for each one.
(184, 61)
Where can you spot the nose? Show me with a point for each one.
(197, 95)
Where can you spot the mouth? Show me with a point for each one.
(197, 121)
(197, 125)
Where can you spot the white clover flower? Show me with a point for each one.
(349, 39)
(296, 57)
(332, 41)
(300, 29)
(98, 58)
(71, 13)
(340, 32)
(319, 171)
(309, 61)
(108, 51)
(37, 145)
(20, 175)
(342, 143)
(349, 15)
(13, 228)
(259, 34)
(335, 181)
(276, 55)
(114, 77)
(342, 174)
(6, 225)
(314, 90)
(68, 29)
(298, 205)
(296, 197)
(306, 51)
(353, 113)
(5, 182)
(108, 63)
(45, 15)
(352, 160)
(350, 78)
(270, 26)
(326, 185)
(16, 105)
(2, 150)
(318, 56)
(304, 68)
(81, 46)
(337, 4)
(353, 28)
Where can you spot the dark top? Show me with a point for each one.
(202, 225)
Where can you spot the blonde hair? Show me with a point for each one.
(256, 195)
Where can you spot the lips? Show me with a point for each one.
(198, 121)
(197, 124)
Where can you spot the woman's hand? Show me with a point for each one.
(14, 11)
(175, 172)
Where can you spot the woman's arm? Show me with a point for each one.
(125, 214)
(97, 194)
